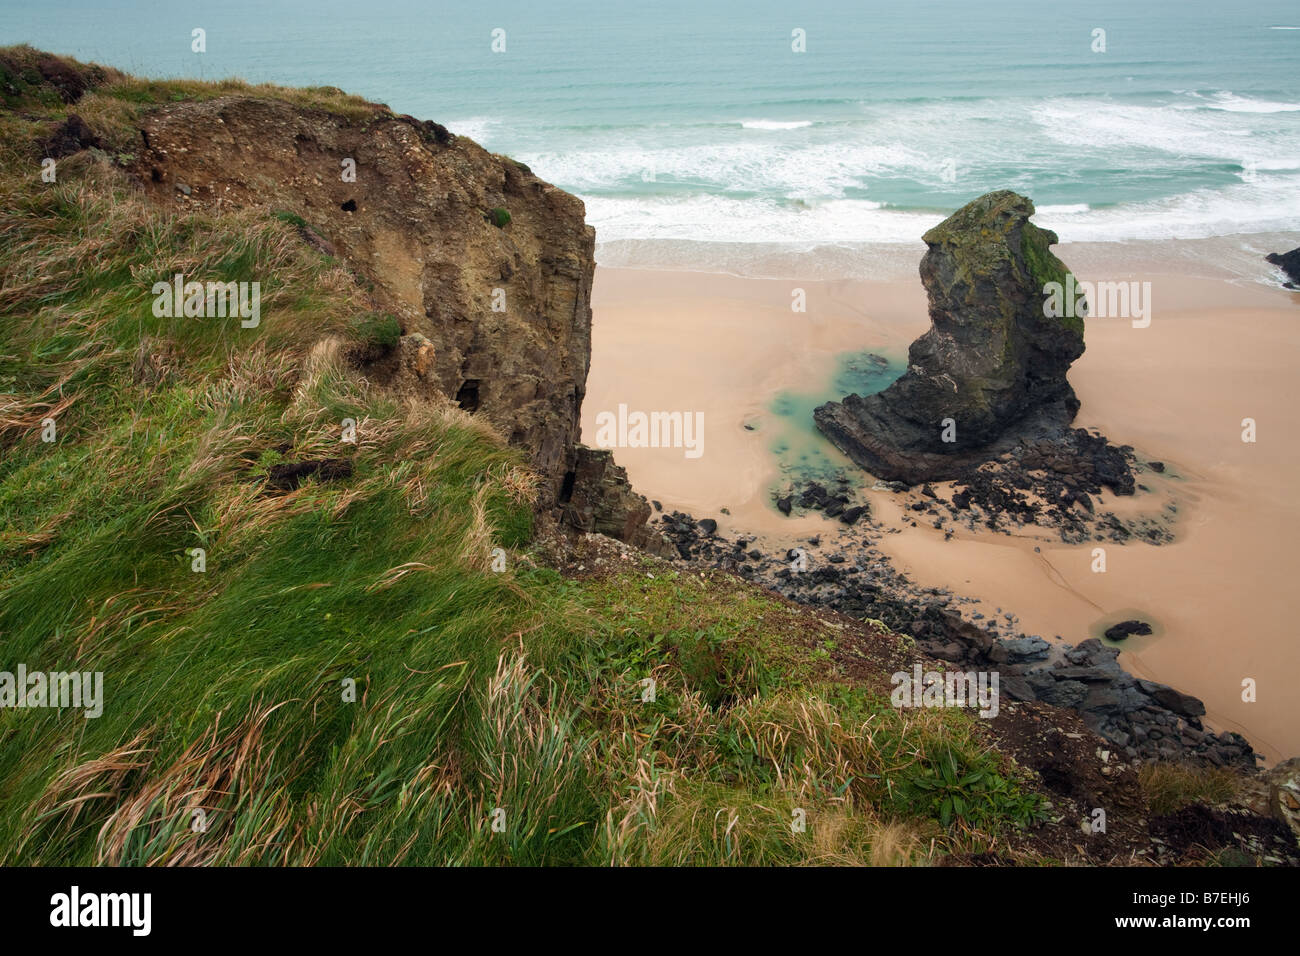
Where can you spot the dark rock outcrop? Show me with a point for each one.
(991, 369)
(1288, 262)
(599, 499)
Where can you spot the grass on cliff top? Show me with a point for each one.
(35, 85)
(347, 679)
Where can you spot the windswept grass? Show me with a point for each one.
(1170, 786)
(334, 673)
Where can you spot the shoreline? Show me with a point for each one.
(1235, 257)
(1176, 391)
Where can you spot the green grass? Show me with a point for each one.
(480, 696)
(378, 330)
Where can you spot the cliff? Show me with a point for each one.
(494, 312)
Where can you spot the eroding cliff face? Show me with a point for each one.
(992, 367)
(494, 314)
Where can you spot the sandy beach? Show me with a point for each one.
(1218, 350)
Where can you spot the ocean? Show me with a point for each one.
(696, 134)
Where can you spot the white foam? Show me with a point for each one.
(477, 128)
(720, 183)
(1255, 207)
(752, 220)
(819, 170)
(775, 124)
(1231, 102)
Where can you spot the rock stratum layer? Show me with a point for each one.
(423, 220)
(991, 369)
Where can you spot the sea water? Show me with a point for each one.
(707, 133)
(802, 453)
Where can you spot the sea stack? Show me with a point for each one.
(991, 370)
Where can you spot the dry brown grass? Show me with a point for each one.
(1169, 786)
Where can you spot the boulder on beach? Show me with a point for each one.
(1122, 630)
(992, 368)
(1288, 262)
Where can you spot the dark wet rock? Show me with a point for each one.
(816, 497)
(1126, 629)
(850, 516)
(1182, 704)
(1027, 649)
(1056, 483)
(1288, 262)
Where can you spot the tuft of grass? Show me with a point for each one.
(292, 218)
(1169, 787)
(499, 217)
(377, 330)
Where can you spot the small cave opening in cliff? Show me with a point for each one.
(467, 396)
(349, 206)
(566, 489)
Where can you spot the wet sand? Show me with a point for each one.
(1216, 351)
